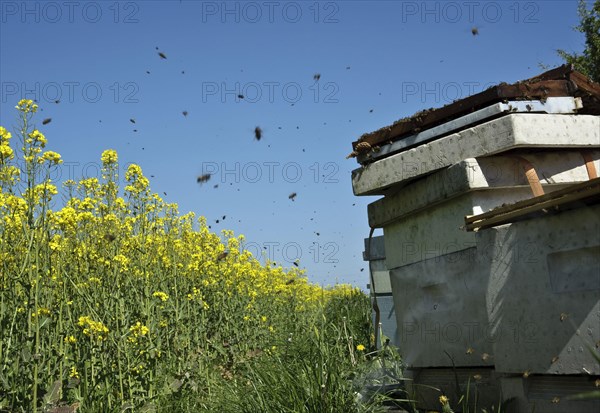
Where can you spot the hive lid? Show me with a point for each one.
(560, 82)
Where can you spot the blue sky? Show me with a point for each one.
(392, 57)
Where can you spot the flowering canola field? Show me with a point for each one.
(116, 302)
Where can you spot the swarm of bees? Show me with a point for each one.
(361, 147)
(203, 178)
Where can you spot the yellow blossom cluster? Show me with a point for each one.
(93, 328)
(137, 330)
(26, 106)
(162, 296)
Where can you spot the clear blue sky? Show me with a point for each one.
(392, 57)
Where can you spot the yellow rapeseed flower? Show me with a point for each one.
(163, 296)
(6, 152)
(26, 106)
(93, 328)
(38, 137)
(109, 156)
(137, 330)
(74, 373)
(360, 347)
(4, 134)
(52, 157)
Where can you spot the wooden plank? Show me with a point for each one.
(508, 213)
(531, 201)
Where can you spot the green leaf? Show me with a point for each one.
(54, 395)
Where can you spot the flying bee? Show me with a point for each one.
(292, 196)
(290, 281)
(240, 96)
(470, 350)
(485, 356)
(224, 216)
(258, 133)
(162, 55)
(46, 121)
(526, 373)
(554, 359)
(132, 120)
(563, 316)
(474, 31)
(295, 263)
(317, 76)
(184, 113)
(110, 237)
(203, 178)
(556, 400)
(477, 376)
(57, 101)
(222, 256)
